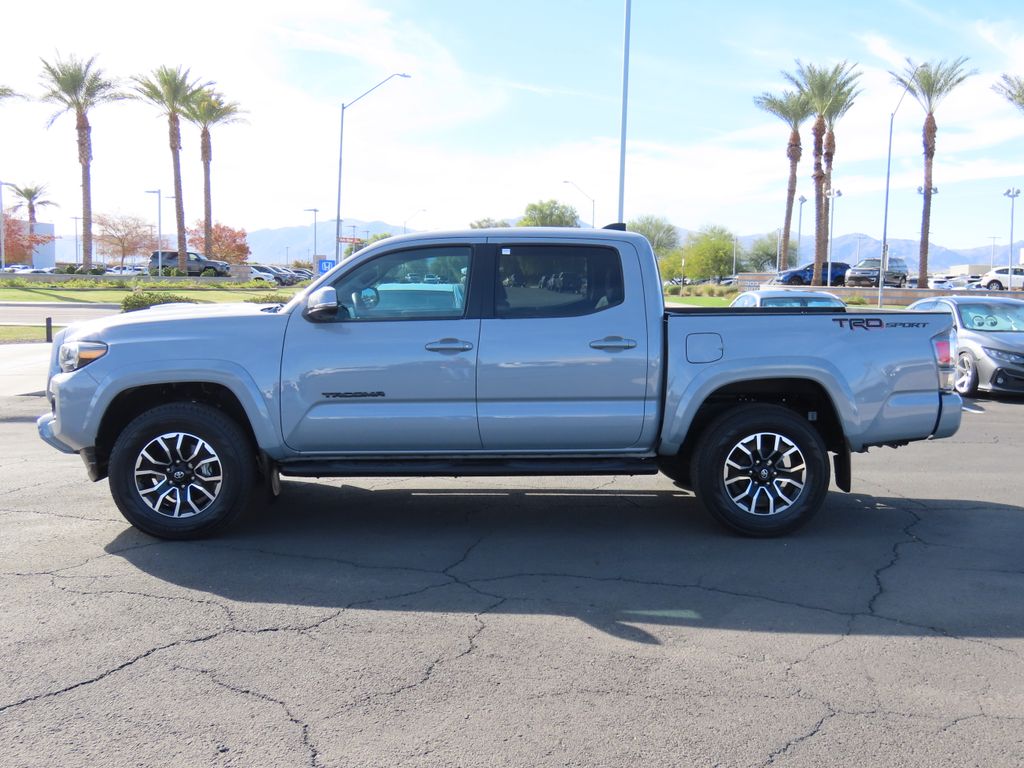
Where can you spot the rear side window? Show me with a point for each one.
(556, 281)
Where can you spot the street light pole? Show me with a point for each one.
(77, 219)
(884, 261)
(341, 145)
(833, 194)
(315, 212)
(800, 227)
(593, 220)
(1013, 194)
(159, 230)
(625, 94)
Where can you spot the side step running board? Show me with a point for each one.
(465, 467)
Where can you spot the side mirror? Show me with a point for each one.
(322, 304)
(368, 298)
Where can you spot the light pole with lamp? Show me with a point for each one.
(625, 94)
(341, 145)
(405, 224)
(76, 219)
(800, 227)
(884, 261)
(1013, 194)
(593, 220)
(834, 194)
(159, 229)
(315, 211)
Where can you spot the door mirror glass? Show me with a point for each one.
(368, 298)
(322, 304)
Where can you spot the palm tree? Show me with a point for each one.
(6, 93)
(209, 108)
(793, 109)
(826, 89)
(1012, 89)
(930, 83)
(170, 91)
(78, 86)
(31, 197)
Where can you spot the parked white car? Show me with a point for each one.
(996, 279)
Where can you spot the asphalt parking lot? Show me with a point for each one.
(606, 621)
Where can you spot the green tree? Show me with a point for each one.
(487, 223)
(549, 213)
(207, 109)
(171, 91)
(659, 231)
(31, 197)
(77, 86)
(357, 247)
(1012, 89)
(671, 264)
(708, 253)
(793, 108)
(763, 254)
(830, 92)
(929, 84)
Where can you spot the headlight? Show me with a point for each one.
(75, 354)
(1004, 357)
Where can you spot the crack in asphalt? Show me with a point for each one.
(802, 738)
(304, 727)
(5, 511)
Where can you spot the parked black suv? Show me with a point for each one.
(865, 273)
(196, 264)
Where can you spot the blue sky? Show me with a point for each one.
(507, 101)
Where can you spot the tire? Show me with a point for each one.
(902, 283)
(966, 378)
(795, 281)
(215, 459)
(779, 439)
(994, 285)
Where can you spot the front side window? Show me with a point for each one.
(557, 281)
(393, 286)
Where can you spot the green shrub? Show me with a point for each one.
(673, 290)
(269, 298)
(857, 301)
(143, 299)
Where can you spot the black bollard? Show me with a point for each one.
(49, 330)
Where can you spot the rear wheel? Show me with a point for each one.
(182, 471)
(796, 281)
(994, 285)
(760, 470)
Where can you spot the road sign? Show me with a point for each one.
(325, 265)
(352, 240)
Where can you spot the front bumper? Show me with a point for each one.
(45, 425)
(1006, 380)
(861, 281)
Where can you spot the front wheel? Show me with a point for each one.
(994, 285)
(182, 471)
(760, 470)
(966, 381)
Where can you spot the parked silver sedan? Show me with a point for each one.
(990, 347)
(794, 299)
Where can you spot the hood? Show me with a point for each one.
(175, 318)
(1007, 341)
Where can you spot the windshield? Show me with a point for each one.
(869, 264)
(993, 317)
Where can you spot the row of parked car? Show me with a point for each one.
(865, 274)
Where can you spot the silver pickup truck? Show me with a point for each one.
(492, 352)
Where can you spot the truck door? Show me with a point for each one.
(395, 371)
(563, 361)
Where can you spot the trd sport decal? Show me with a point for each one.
(872, 323)
(347, 395)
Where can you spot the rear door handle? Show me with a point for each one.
(448, 345)
(613, 343)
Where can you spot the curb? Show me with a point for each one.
(68, 304)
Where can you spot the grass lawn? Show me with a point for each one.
(700, 301)
(17, 334)
(114, 295)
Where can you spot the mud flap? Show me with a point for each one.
(843, 471)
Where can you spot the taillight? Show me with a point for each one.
(945, 345)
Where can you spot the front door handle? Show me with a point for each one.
(448, 345)
(613, 343)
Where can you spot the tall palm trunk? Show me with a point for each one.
(179, 205)
(930, 130)
(828, 156)
(793, 152)
(207, 156)
(84, 159)
(820, 232)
